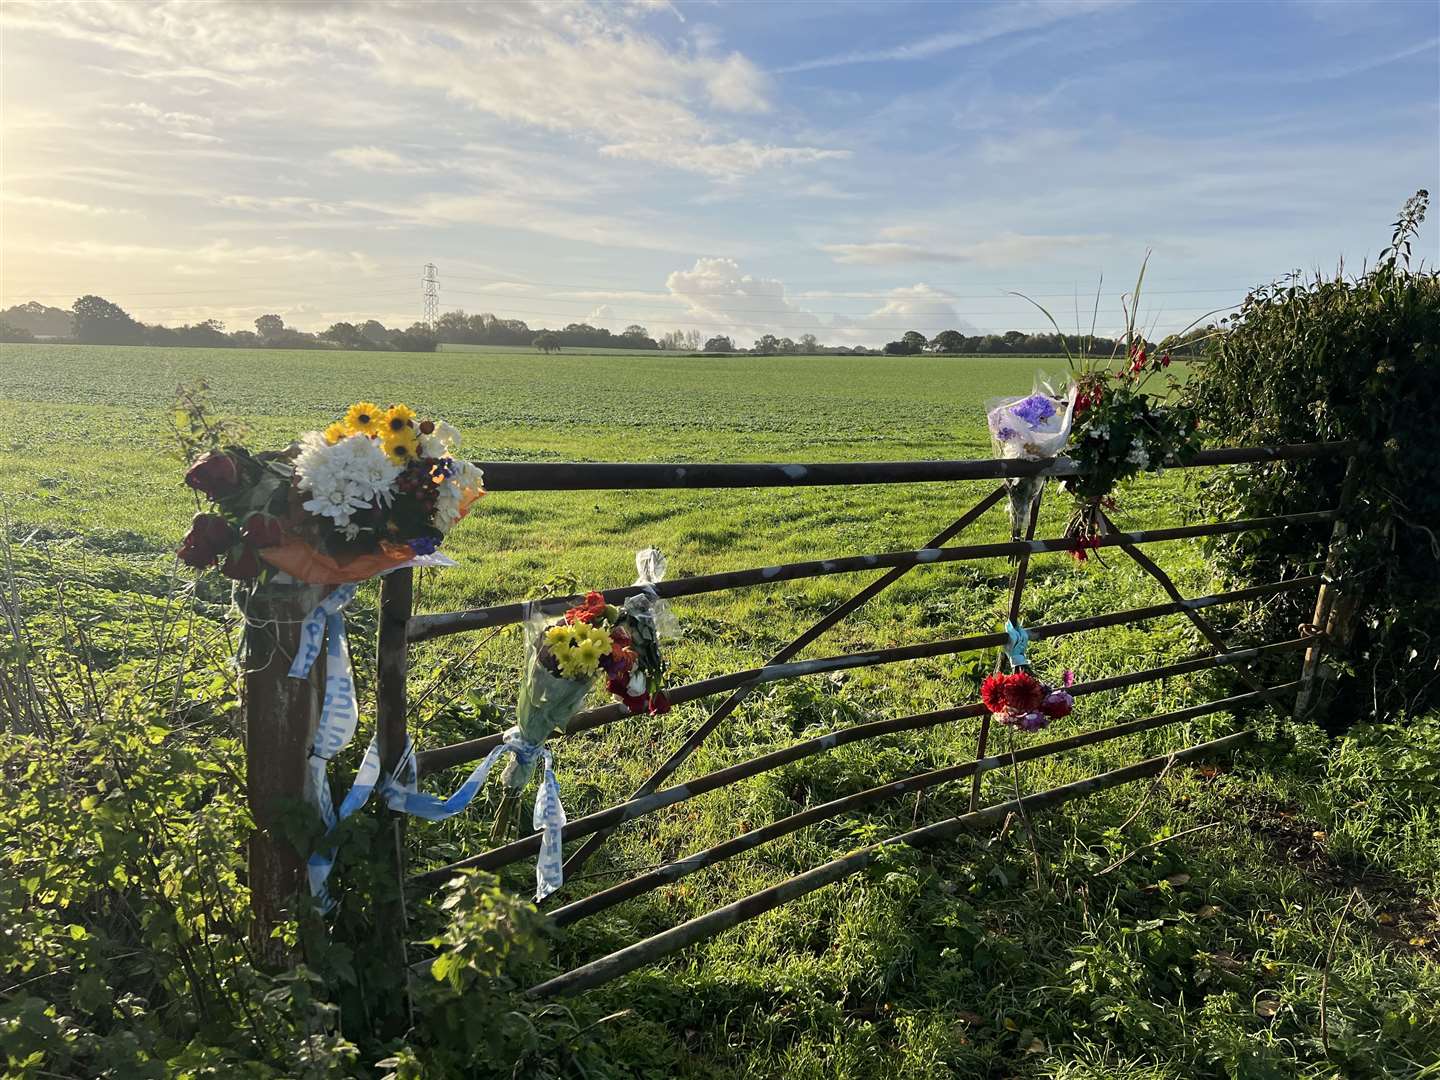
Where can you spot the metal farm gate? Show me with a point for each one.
(399, 628)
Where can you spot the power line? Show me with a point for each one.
(571, 304)
(846, 294)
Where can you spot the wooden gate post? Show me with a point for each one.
(280, 715)
(392, 656)
(1333, 622)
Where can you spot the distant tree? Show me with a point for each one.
(788, 346)
(100, 322)
(374, 332)
(547, 341)
(915, 341)
(809, 344)
(768, 345)
(635, 330)
(14, 333)
(40, 319)
(416, 339)
(346, 336)
(692, 340)
(947, 341)
(897, 348)
(719, 343)
(244, 339)
(269, 327)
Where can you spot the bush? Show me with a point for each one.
(1338, 358)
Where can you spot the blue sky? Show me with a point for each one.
(849, 170)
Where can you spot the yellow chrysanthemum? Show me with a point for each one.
(335, 432)
(578, 648)
(399, 418)
(364, 418)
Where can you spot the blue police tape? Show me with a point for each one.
(1018, 643)
(339, 717)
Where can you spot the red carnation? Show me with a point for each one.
(215, 475)
(1022, 692)
(588, 612)
(242, 566)
(263, 530)
(659, 703)
(1057, 703)
(992, 693)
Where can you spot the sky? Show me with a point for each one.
(849, 170)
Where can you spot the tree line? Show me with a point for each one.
(93, 320)
(96, 321)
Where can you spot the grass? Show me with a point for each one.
(1198, 957)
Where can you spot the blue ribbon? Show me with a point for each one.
(1018, 643)
(339, 717)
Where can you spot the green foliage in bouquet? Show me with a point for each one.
(1342, 358)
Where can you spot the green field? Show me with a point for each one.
(951, 962)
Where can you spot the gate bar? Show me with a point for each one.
(714, 922)
(598, 476)
(673, 871)
(425, 627)
(620, 813)
(457, 753)
(729, 705)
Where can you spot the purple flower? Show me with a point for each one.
(424, 545)
(1005, 434)
(1034, 409)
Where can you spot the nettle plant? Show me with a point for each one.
(1124, 420)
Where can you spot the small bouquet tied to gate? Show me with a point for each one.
(621, 642)
(1022, 701)
(1035, 427)
(377, 490)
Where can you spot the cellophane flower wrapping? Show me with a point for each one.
(545, 704)
(1035, 427)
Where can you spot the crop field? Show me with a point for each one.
(1014, 954)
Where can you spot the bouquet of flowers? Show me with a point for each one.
(376, 490)
(1121, 430)
(1031, 428)
(1022, 701)
(562, 657)
(1117, 428)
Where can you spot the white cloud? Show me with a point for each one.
(377, 159)
(61, 206)
(1003, 250)
(591, 72)
(1018, 16)
(733, 159)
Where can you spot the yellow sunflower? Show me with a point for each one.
(402, 447)
(335, 432)
(397, 419)
(364, 418)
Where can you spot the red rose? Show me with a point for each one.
(215, 475)
(659, 703)
(1022, 692)
(634, 703)
(194, 557)
(209, 536)
(242, 566)
(263, 530)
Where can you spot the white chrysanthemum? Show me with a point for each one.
(447, 434)
(432, 446)
(344, 477)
